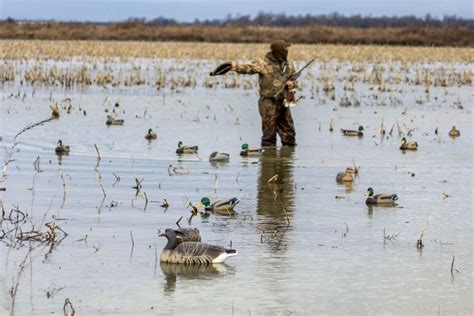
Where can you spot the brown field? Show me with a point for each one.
(239, 34)
(63, 50)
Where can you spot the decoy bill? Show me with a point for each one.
(192, 253)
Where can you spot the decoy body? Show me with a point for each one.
(188, 234)
(350, 132)
(408, 145)
(251, 152)
(219, 157)
(380, 199)
(454, 132)
(113, 121)
(222, 207)
(62, 149)
(346, 176)
(183, 149)
(192, 253)
(150, 135)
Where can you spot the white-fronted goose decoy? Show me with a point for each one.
(192, 253)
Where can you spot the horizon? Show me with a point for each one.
(185, 11)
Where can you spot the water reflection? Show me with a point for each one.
(275, 201)
(173, 272)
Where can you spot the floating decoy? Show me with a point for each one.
(350, 132)
(188, 234)
(62, 149)
(454, 132)
(408, 145)
(183, 149)
(380, 199)
(251, 152)
(222, 207)
(150, 135)
(219, 157)
(54, 110)
(192, 253)
(113, 121)
(346, 176)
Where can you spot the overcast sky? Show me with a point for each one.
(188, 10)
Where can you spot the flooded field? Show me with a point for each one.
(306, 245)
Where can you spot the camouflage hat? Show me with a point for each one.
(278, 44)
(221, 69)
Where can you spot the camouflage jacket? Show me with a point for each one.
(271, 76)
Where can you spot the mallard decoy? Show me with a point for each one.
(346, 176)
(251, 152)
(150, 135)
(192, 253)
(62, 149)
(454, 132)
(222, 207)
(55, 110)
(188, 234)
(350, 132)
(219, 157)
(408, 145)
(183, 149)
(113, 121)
(380, 199)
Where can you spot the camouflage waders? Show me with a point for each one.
(276, 118)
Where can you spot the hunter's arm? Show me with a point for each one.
(254, 67)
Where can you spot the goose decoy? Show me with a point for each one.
(192, 253)
(150, 135)
(183, 149)
(113, 121)
(380, 199)
(350, 132)
(222, 207)
(454, 132)
(346, 176)
(62, 149)
(408, 145)
(218, 156)
(251, 152)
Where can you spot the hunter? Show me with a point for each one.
(273, 70)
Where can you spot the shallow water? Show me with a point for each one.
(301, 249)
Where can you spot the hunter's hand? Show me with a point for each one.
(290, 84)
(233, 66)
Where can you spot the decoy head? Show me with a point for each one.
(150, 131)
(60, 142)
(370, 192)
(245, 147)
(205, 201)
(180, 144)
(171, 235)
(404, 141)
(361, 128)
